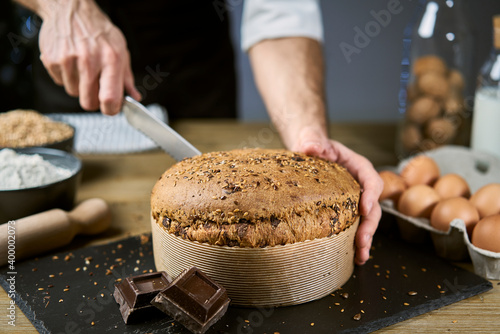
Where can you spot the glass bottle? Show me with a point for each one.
(436, 78)
(486, 118)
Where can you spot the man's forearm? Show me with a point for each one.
(45, 8)
(289, 73)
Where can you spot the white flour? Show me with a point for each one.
(19, 171)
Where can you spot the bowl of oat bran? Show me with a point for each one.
(36, 179)
(22, 128)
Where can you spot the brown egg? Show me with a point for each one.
(452, 185)
(457, 81)
(486, 234)
(418, 201)
(429, 63)
(457, 207)
(441, 130)
(487, 200)
(412, 92)
(434, 84)
(420, 170)
(411, 137)
(394, 185)
(423, 109)
(454, 104)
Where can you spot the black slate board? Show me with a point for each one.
(377, 291)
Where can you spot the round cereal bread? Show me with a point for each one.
(255, 198)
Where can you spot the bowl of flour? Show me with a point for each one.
(33, 180)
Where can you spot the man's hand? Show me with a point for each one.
(289, 75)
(311, 143)
(84, 52)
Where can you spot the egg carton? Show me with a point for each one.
(478, 169)
(485, 263)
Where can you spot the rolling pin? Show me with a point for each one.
(36, 234)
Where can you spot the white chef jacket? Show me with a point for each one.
(267, 19)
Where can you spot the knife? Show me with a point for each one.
(163, 135)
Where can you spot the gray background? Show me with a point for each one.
(365, 89)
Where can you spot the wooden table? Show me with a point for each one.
(125, 182)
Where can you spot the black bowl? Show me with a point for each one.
(18, 203)
(63, 145)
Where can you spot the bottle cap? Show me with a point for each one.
(496, 31)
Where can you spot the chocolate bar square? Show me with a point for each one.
(134, 294)
(194, 300)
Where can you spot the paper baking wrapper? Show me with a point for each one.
(271, 276)
(478, 169)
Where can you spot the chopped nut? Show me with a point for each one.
(412, 293)
(144, 239)
(357, 316)
(345, 295)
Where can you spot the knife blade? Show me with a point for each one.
(163, 135)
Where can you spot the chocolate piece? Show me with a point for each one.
(194, 300)
(134, 294)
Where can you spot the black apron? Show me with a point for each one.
(181, 54)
